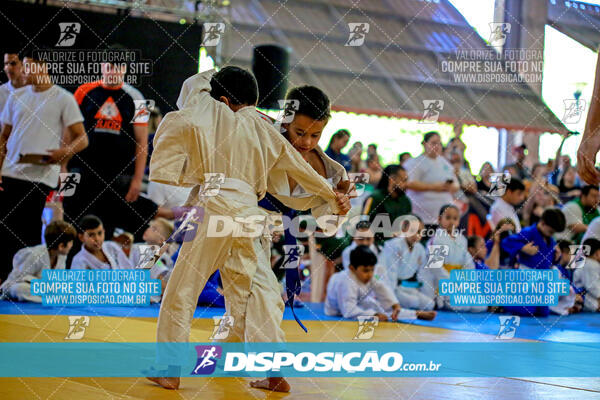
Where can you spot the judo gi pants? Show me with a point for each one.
(252, 293)
(21, 291)
(414, 299)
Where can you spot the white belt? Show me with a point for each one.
(238, 190)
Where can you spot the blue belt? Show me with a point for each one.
(293, 284)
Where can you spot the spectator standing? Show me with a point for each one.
(32, 148)
(13, 68)
(113, 166)
(431, 181)
(338, 141)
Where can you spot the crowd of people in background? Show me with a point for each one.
(519, 216)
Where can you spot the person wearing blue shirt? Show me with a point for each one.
(534, 248)
(477, 249)
(338, 141)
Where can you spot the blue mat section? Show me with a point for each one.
(311, 311)
(583, 327)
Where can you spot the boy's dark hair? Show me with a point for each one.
(362, 255)
(406, 153)
(388, 171)
(564, 245)
(594, 245)
(429, 135)
(447, 206)
(235, 83)
(58, 232)
(515, 184)
(587, 188)
(554, 218)
(14, 49)
(313, 102)
(472, 240)
(89, 222)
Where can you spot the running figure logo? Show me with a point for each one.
(77, 325)
(288, 110)
(498, 182)
(508, 326)
(148, 253)
(432, 110)
(68, 33)
(68, 183)
(212, 33)
(222, 327)
(189, 224)
(578, 255)
(360, 180)
(437, 255)
(358, 33)
(207, 359)
(574, 109)
(142, 111)
(292, 256)
(366, 327)
(498, 33)
(212, 184)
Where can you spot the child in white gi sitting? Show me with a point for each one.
(354, 292)
(588, 277)
(403, 257)
(450, 244)
(29, 262)
(95, 252)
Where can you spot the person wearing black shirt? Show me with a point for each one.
(112, 167)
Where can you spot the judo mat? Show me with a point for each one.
(583, 327)
(26, 322)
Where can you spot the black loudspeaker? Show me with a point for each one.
(270, 65)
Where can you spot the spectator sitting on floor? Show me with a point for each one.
(355, 292)
(588, 277)
(388, 200)
(573, 302)
(534, 248)
(362, 236)
(95, 253)
(29, 262)
(504, 207)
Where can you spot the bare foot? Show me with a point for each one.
(426, 315)
(167, 383)
(274, 384)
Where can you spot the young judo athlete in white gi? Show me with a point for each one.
(457, 257)
(404, 257)
(29, 262)
(96, 253)
(218, 130)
